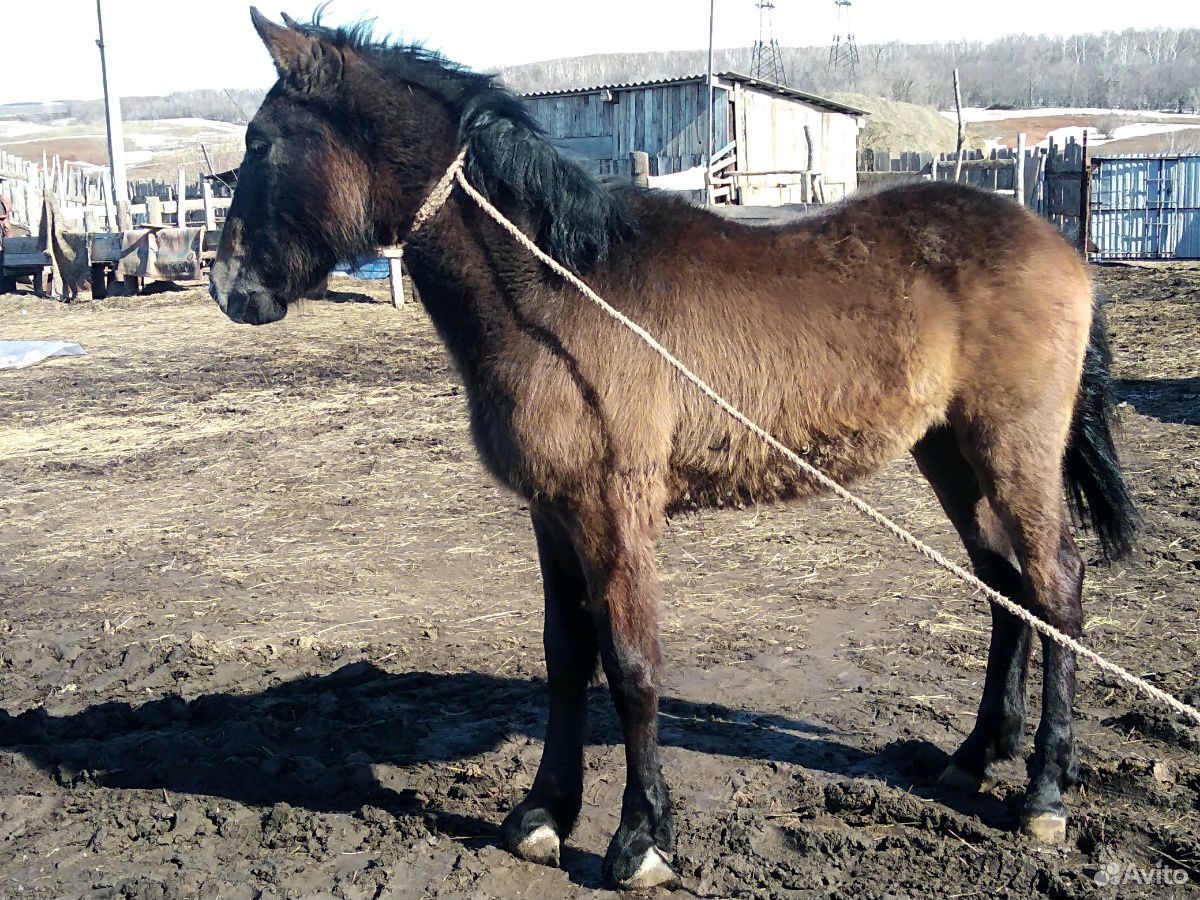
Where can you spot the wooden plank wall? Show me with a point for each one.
(666, 121)
(773, 140)
(839, 143)
(775, 134)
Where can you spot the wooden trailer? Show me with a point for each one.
(25, 257)
(150, 253)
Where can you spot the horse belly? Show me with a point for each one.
(848, 424)
(742, 470)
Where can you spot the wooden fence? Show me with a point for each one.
(995, 171)
(1064, 195)
(1051, 180)
(85, 200)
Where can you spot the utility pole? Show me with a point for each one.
(708, 152)
(958, 148)
(112, 116)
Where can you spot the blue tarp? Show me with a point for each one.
(373, 267)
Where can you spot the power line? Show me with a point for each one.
(236, 105)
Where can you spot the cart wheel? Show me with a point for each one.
(99, 281)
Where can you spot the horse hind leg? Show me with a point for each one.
(1053, 570)
(999, 725)
(1022, 480)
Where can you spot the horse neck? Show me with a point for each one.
(471, 277)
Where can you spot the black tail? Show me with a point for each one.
(1095, 486)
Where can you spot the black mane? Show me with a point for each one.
(578, 219)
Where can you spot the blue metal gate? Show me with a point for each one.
(1145, 207)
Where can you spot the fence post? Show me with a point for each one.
(394, 256)
(639, 165)
(181, 199)
(210, 214)
(154, 210)
(1019, 179)
(1085, 197)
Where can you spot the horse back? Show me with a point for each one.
(848, 336)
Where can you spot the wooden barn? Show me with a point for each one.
(774, 145)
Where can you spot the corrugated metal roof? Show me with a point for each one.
(756, 83)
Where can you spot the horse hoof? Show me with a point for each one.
(652, 872)
(960, 780)
(540, 846)
(1048, 828)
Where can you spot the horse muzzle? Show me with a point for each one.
(243, 298)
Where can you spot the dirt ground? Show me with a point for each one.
(267, 630)
(1036, 128)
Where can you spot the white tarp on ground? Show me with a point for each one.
(19, 354)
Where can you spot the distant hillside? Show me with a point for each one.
(235, 106)
(1152, 69)
(897, 126)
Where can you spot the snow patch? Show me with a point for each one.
(1141, 129)
(1060, 136)
(687, 180)
(10, 128)
(975, 114)
(207, 124)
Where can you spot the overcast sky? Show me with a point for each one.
(50, 53)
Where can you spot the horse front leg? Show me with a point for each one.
(536, 828)
(618, 551)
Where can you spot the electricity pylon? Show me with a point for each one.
(843, 51)
(767, 61)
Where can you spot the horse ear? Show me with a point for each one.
(304, 61)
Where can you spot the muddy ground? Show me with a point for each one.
(267, 630)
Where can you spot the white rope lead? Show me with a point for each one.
(438, 196)
(811, 471)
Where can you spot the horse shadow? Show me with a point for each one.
(315, 743)
(1174, 400)
(332, 296)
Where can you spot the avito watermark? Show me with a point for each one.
(1130, 873)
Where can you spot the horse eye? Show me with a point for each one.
(258, 148)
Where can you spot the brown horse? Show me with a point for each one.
(929, 319)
